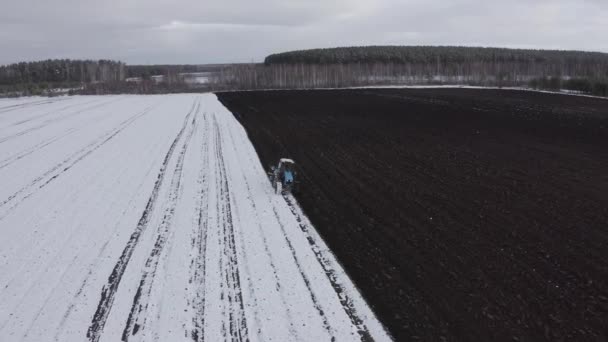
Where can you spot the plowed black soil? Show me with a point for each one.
(461, 214)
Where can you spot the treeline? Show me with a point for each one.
(585, 72)
(140, 87)
(146, 71)
(432, 54)
(591, 86)
(62, 76)
(414, 65)
(36, 78)
(289, 76)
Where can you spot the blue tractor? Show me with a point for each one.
(283, 176)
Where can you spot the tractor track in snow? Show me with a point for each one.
(165, 233)
(116, 130)
(271, 262)
(24, 153)
(108, 292)
(93, 266)
(342, 294)
(55, 120)
(349, 309)
(11, 108)
(139, 310)
(230, 289)
(50, 175)
(59, 110)
(313, 296)
(198, 254)
(130, 120)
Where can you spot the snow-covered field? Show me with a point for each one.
(150, 218)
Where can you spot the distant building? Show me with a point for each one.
(158, 78)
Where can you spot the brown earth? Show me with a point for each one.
(461, 214)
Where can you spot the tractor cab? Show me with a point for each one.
(283, 176)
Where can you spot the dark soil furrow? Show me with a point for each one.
(460, 214)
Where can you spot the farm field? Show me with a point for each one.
(150, 218)
(460, 214)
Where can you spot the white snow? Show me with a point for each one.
(151, 218)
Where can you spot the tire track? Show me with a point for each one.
(345, 300)
(305, 278)
(251, 291)
(55, 120)
(24, 153)
(108, 292)
(9, 282)
(231, 292)
(271, 262)
(11, 108)
(137, 316)
(94, 264)
(59, 169)
(280, 289)
(198, 254)
(59, 110)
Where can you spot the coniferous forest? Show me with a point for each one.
(579, 71)
(34, 78)
(547, 69)
(430, 54)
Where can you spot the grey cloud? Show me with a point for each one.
(205, 31)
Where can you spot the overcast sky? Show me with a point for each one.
(212, 31)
